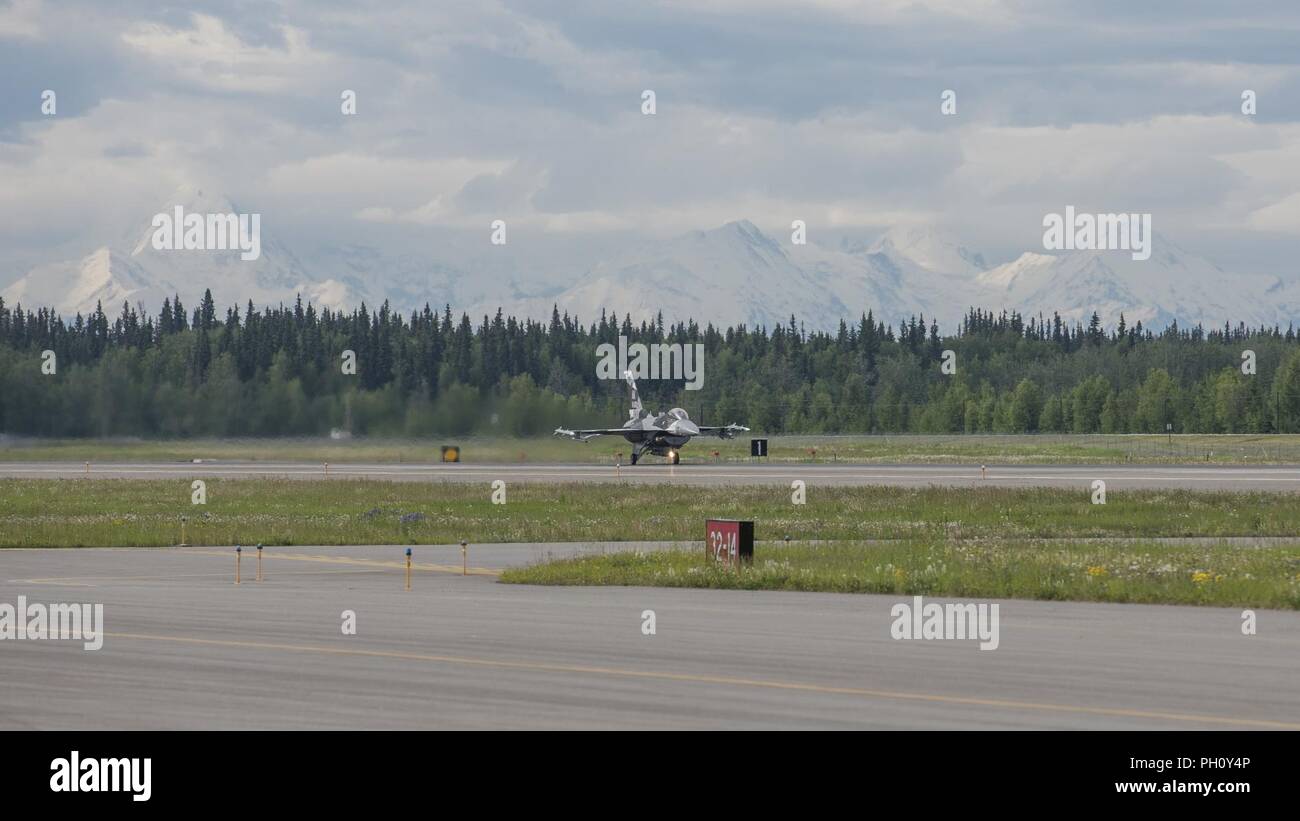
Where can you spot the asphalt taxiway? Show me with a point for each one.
(1201, 477)
(185, 647)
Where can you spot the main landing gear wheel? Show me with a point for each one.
(674, 458)
(634, 455)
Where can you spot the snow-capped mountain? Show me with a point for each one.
(136, 272)
(928, 249)
(405, 281)
(729, 275)
(104, 276)
(737, 274)
(1171, 285)
(928, 272)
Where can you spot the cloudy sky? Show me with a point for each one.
(824, 110)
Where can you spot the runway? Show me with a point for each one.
(1202, 477)
(185, 647)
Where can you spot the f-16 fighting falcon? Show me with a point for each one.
(662, 434)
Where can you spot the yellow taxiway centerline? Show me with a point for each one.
(371, 563)
(725, 680)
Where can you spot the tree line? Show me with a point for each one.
(278, 370)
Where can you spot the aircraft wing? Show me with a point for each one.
(584, 435)
(725, 432)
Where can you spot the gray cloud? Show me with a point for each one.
(825, 111)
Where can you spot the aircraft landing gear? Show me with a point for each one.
(673, 457)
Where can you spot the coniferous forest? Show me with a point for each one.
(277, 371)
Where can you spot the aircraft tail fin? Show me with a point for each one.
(635, 411)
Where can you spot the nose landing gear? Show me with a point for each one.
(673, 457)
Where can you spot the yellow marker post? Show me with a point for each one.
(238, 551)
(327, 468)
(183, 521)
(259, 562)
(408, 568)
(87, 468)
(464, 560)
(984, 472)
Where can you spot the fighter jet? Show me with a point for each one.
(662, 434)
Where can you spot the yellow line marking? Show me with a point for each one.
(726, 680)
(372, 563)
(62, 582)
(71, 580)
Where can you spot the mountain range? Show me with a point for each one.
(728, 275)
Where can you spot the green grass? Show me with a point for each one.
(121, 512)
(1217, 575)
(980, 542)
(938, 449)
